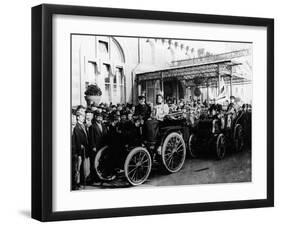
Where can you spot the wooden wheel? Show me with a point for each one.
(220, 146)
(137, 166)
(238, 138)
(192, 145)
(101, 163)
(173, 152)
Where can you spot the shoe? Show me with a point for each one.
(119, 171)
(110, 177)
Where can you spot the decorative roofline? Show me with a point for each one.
(212, 58)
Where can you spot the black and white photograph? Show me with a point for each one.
(156, 111)
(142, 112)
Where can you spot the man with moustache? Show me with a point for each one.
(80, 138)
(97, 140)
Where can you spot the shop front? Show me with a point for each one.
(189, 82)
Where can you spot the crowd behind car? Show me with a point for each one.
(95, 126)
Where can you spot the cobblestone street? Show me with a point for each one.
(235, 167)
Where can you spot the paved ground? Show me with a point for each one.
(235, 167)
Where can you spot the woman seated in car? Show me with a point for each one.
(160, 109)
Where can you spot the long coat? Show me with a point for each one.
(143, 110)
(97, 138)
(80, 139)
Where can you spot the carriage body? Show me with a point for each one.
(240, 130)
(207, 138)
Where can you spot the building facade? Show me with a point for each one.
(115, 63)
(230, 72)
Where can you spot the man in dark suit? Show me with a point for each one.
(97, 140)
(80, 139)
(74, 156)
(214, 109)
(142, 110)
(88, 119)
(97, 133)
(232, 107)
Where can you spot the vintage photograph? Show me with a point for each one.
(155, 111)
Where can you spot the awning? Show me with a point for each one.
(208, 70)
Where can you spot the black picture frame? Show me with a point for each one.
(42, 111)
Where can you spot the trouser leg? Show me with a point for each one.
(93, 175)
(74, 172)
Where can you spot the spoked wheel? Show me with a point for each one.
(173, 152)
(193, 146)
(137, 166)
(101, 164)
(238, 138)
(220, 146)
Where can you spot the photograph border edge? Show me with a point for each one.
(41, 208)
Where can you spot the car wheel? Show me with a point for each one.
(192, 146)
(173, 152)
(137, 166)
(220, 146)
(101, 163)
(238, 138)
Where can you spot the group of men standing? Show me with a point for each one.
(86, 140)
(91, 132)
(215, 109)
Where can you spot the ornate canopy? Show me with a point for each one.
(205, 72)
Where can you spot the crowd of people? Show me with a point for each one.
(95, 126)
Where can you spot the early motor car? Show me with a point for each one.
(164, 145)
(216, 135)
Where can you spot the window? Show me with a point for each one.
(107, 82)
(143, 88)
(150, 91)
(121, 84)
(93, 69)
(118, 86)
(110, 78)
(103, 50)
(116, 98)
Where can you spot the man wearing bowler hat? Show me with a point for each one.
(97, 139)
(80, 138)
(142, 110)
(232, 107)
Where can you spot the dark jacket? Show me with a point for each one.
(231, 107)
(143, 110)
(130, 134)
(97, 138)
(80, 140)
(134, 136)
(216, 107)
(73, 145)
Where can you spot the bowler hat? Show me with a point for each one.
(141, 97)
(97, 113)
